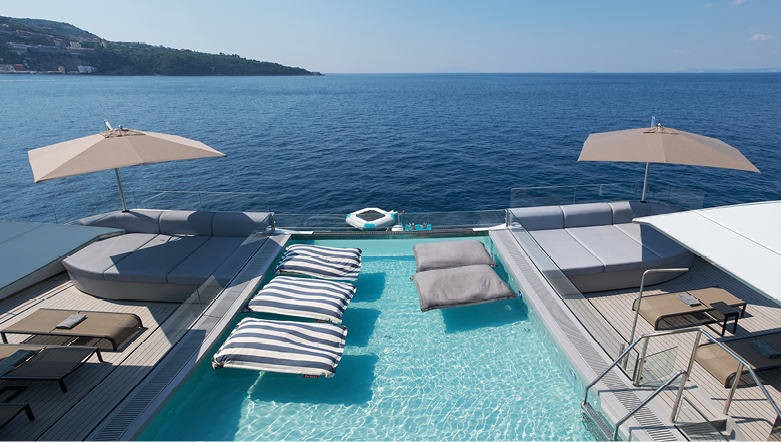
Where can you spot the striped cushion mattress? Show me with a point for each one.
(304, 298)
(321, 262)
(310, 349)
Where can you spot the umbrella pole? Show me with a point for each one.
(642, 200)
(122, 194)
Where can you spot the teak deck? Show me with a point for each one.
(96, 389)
(749, 409)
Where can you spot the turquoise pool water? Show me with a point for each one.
(484, 372)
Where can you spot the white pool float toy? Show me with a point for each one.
(371, 218)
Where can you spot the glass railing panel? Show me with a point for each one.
(200, 200)
(593, 193)
(658, 366)
(696, 426)
(408, 222)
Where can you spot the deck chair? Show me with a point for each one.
(113, 327)
(657, 308)
(9, 411)
(724, 367)
(43, 363)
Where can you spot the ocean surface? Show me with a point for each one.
(419, 143)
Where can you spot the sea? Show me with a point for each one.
(407, 142)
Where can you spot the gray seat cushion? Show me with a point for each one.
(448, 254)
(614, 248)
(99, 256)
(204, 261)
(460, 286)
(569, 255)
(669, 250)
(155, 260)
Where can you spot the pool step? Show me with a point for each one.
(598, 421)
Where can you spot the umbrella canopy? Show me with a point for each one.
(110, 150)
(663, 145)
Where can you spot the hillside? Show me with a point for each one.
(33, 45)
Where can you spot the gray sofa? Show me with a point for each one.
(597, 246)
(164, 256)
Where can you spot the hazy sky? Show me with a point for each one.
(396, 36)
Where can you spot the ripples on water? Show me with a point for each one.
(337, 143)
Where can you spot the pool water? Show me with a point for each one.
(485, 372)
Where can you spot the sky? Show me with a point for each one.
(419, 36)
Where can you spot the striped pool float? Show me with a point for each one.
(321, 262)
(304, 298)
(310, 349)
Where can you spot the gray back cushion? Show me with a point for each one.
(448, 254)
(585, 215)
(459, 287)
(539, 218)
(239, 223)
(185, 222)
(622, 212)
(133, 221)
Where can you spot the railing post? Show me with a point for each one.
(641, 363)
(679, 396)
(732, 390)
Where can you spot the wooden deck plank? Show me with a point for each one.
(46, 399)
(750, 410)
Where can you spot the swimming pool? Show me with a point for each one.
(483, 372)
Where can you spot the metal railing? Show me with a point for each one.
(593, 193)
(700, 331)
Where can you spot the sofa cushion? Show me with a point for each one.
(584, 215)
(622, 212)
(239, 223)
(539, 218)
(204, 261)
(133, 221)
(669, 250)
(99, 256)
(614, 248)
(185, 222)
(155, 260)
(568, 254)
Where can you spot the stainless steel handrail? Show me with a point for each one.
(700, 331)
(640, 294)
(650, 398)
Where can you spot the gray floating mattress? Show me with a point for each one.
(460, 286)
(307, 348)
(449, 254)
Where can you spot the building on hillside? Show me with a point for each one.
(19, 48)
(7, 68)
(86, 69)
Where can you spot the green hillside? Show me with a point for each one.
(49, 46)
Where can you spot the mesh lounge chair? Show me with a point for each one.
(45, 363)
(724, 367)
(114, 327)
(658, 308)
(9, 411)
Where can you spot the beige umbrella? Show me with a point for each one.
(662, 145)
(113, 149)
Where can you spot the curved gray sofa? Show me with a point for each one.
(164, 256)
(597, 246)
